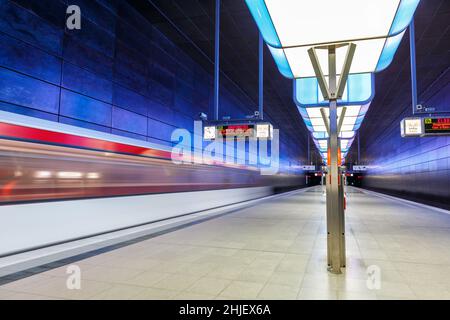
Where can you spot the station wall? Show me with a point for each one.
(118, 74)
(416, 169)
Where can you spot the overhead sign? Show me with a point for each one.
(411, 127)
(238, 131)
(425, 127)
(264, 131)
(437, 126)
(212, 131)
(209, 133)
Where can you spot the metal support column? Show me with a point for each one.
(261, 77)
(217, 62)
(334, 184)
(412, 51)
(333, 219)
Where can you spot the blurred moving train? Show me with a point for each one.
(108, 183)
(38, 164)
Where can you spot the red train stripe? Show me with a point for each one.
(46, 136)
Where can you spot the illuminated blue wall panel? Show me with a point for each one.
(185, 121)
(28, 92)
(81, 107)
(81, 55)
(128, 134)
(17, 55)
(183, 92)
(129, 121)
(95, 37)
(118, 74)
(160, 94)
(164, 128)
(417, 169)
(132, 60)
(441, 102)
(28, 112)
(165, 60)
(84, 124)
(32, 29)
(95, 12)
(130, 100)
(164, 77)
(131, 80)
(87, 83)
(161, 112)
(54, 14)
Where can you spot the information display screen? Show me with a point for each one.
(437, 125)
(255, 130)
(411, 127)
(238, 131)
(264, 131)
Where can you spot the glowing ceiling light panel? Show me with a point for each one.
(324, 135)
(322, 145)
(325, 156)
(353, 118)
(360, 89)
(354, 115)
(291, 27)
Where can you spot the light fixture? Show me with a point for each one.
(69, 175)
(292, 27)
(93, 175)
(359, 89)
(42, 174)
(322, 145)
(353, 118)
(324, 134)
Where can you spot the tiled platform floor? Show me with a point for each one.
(276, 250)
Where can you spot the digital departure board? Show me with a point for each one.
(411, 127)
(437, 126)
(238, 131)
(256, 130)
(425, 127)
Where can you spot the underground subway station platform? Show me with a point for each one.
(225, 158)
